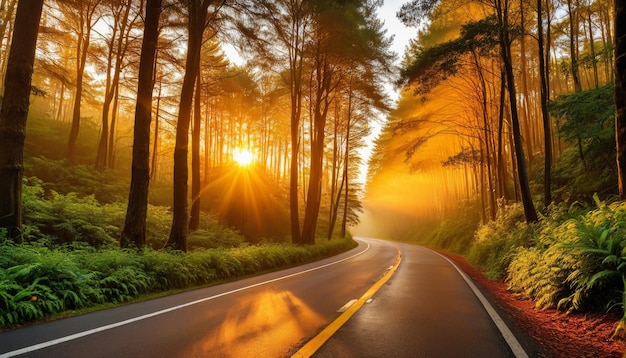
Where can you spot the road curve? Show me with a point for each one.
(263, 316)
(426, 309)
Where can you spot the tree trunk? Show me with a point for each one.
(194, 217)
(178, 234)
(547, 136)
(84, 37)
(14, 113)
(134, 231)
(572, 46)
(620, 94)
(5, 25)
(346, 167)
(502, 178)
(321, 106)
(522, 173)
(155, 146)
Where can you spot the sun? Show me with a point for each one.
(243, 157)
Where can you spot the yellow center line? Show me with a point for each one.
(316, 342)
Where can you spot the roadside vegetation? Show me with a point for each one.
(71, 259)
(573, 258)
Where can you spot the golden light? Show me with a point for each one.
(243, 157)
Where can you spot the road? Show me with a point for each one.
(425, 309)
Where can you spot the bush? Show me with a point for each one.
(578, 263)
(495, 243)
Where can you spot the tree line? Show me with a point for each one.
(303, 101)
(491, 86)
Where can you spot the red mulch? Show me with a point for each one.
(557, 334)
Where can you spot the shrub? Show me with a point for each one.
(578, 263)
(495, 243)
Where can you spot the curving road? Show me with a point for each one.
(425, 309)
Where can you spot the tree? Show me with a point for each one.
(547, 130)
(503, 13)
(620, 94)
(411, 13)
(134, 231)
(198, 17)
(85, 19)
(116, 50)
(283, 24)
(14, 113)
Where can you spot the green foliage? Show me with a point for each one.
(105, 186)
(214, 237)
(586, 121)
(574, 180)
(69, 218)
(37, 281)
(588, 114)
(495, 242)
(578, 263)
(46, 137)
(456, 232)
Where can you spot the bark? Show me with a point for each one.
(134, 231)
(323, 74)
(332, 212)
(194, 217)
(573, 36)
(155, 145)
(502, 178)
(296, 44)
(486, 134)
(346, 166)
(620, 94)
(547, 135)
(198, 11)
(4, 26)
(526, 119)
(14, 113)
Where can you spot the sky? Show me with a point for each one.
(401, 36)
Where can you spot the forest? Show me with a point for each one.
(138, 157)
(503, 147)
(137, 154)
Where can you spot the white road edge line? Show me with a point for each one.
(509, 337)
(139, 318)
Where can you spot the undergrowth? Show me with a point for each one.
(572, 259)
(37, 281)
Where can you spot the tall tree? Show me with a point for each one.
(117, 48)
(543, 93)
(620, 93)
(284, 24)
(503, 12)
(198, 20)
(85, 14)
(134, 231)
(6, 12)
(14, 113)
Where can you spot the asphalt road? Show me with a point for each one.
(426, 309)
